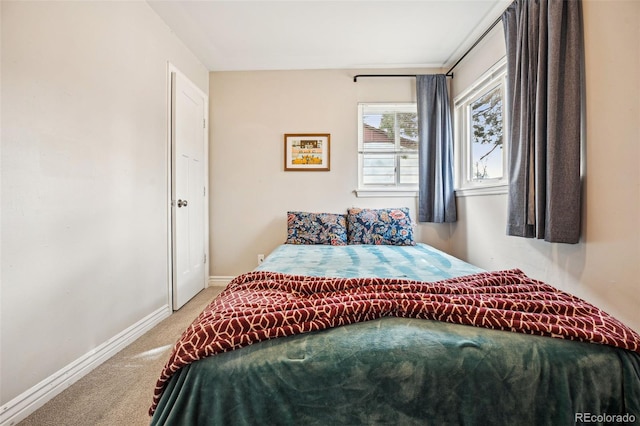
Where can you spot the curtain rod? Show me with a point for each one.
(355, 78)
(449, 73)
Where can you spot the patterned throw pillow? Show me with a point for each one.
(316, 228)
(380, 226)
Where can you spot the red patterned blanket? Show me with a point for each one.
(263, 305)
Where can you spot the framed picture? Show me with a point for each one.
(307, 152)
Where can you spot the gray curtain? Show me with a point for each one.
(436, 200)
(544, 93)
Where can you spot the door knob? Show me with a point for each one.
(182, 203)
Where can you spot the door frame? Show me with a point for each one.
(171, 68)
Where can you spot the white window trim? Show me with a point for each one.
(484, 190)
(463, 187)
(383, 190)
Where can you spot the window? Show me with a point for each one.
(480, 122)
(387, 149)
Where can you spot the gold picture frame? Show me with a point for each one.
(307, 152)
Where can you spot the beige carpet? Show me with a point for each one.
(119, 392)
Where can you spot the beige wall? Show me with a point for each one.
(604, 268)
(84, 179)
(250, 111)
(250, 191)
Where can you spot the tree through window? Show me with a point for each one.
(480, 132)
(486, 139)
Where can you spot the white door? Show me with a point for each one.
(188, 131)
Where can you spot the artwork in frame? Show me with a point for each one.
(307, 152)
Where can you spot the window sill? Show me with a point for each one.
(482, 190)
(385, 192)
(461, 192)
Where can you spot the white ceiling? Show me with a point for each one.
(328, 34)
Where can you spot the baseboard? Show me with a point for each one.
(218, 281)
(29, 401)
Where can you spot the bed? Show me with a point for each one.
(394, 334)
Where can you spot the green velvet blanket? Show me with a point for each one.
(403, 371)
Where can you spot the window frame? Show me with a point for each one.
(381, 190)
(495, 77)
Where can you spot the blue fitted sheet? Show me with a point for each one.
(420, 262)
